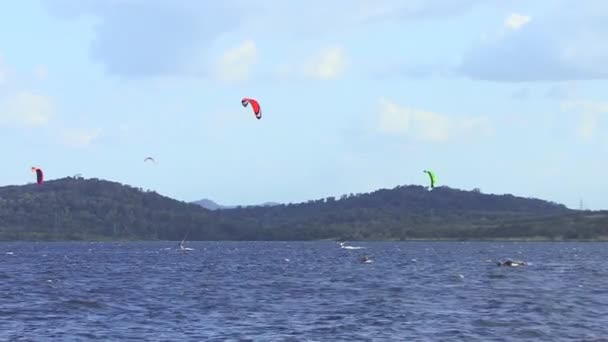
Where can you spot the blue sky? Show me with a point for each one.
(505, 96)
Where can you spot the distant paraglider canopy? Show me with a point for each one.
(255, 105)
(432, 177)
(39, 174)
(150, 159)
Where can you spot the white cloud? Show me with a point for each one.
(4, 71)
(516, 21)
(587, 126)
(328, 64)
(128, 40)
(236, 63)
(426, 125)
(80, 137)
(26, 108)
(41, 72)
(588, 115)
(586, 106)
(566, 43)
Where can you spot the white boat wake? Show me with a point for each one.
(349, 247)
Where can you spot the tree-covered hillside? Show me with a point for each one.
(75, 209)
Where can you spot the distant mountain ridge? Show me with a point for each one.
(212, 205)
(94, 209)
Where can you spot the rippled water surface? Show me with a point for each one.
(303, 291)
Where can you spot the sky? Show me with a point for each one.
(508, 96)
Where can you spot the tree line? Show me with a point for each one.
(94, 209)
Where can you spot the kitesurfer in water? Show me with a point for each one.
(510, 263)
(366, 259)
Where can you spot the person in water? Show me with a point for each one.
(511, 263)
(366, 258)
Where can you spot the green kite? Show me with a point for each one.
(432, 177)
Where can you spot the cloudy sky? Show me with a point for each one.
(507, 96)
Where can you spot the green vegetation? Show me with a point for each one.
(93, 209)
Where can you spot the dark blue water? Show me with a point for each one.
(298, 291)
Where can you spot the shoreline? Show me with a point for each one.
(532, 239)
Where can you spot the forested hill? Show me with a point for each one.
(405, 212)
(414, 199)
(75, 209)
